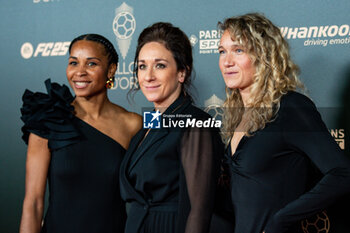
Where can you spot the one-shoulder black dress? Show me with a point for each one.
(83, 173)
(272, 172)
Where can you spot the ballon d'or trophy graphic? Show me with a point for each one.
(213, 106)
(124, 25)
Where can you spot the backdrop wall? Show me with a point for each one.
(35, 35)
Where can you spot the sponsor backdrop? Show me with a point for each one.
(35, 35)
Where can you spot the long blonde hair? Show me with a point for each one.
(276, 73)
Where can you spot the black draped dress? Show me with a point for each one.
(169, 176)
(83, 173)
(272, 185)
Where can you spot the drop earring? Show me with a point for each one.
(110, 83)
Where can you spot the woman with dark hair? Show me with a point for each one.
(77, 144)
(169, 175)
(275, 136)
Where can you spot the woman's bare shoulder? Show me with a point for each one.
(132, 120)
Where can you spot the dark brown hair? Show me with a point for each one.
(176, 41)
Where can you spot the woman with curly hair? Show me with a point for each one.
(275, 136)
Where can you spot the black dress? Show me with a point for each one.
(83, 173)
(272, 187)
(169, 177)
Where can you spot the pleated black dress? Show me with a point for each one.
(272, 172)
(169, 177)
(83, 173)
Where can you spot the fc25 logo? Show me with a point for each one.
(45, 49)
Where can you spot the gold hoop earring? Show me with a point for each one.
(110, 83)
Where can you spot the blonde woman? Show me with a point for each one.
(274, 135)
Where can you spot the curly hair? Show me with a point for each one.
(276, 73)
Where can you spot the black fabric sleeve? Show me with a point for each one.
(200, 163)
(305, 132)
(50, 116)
